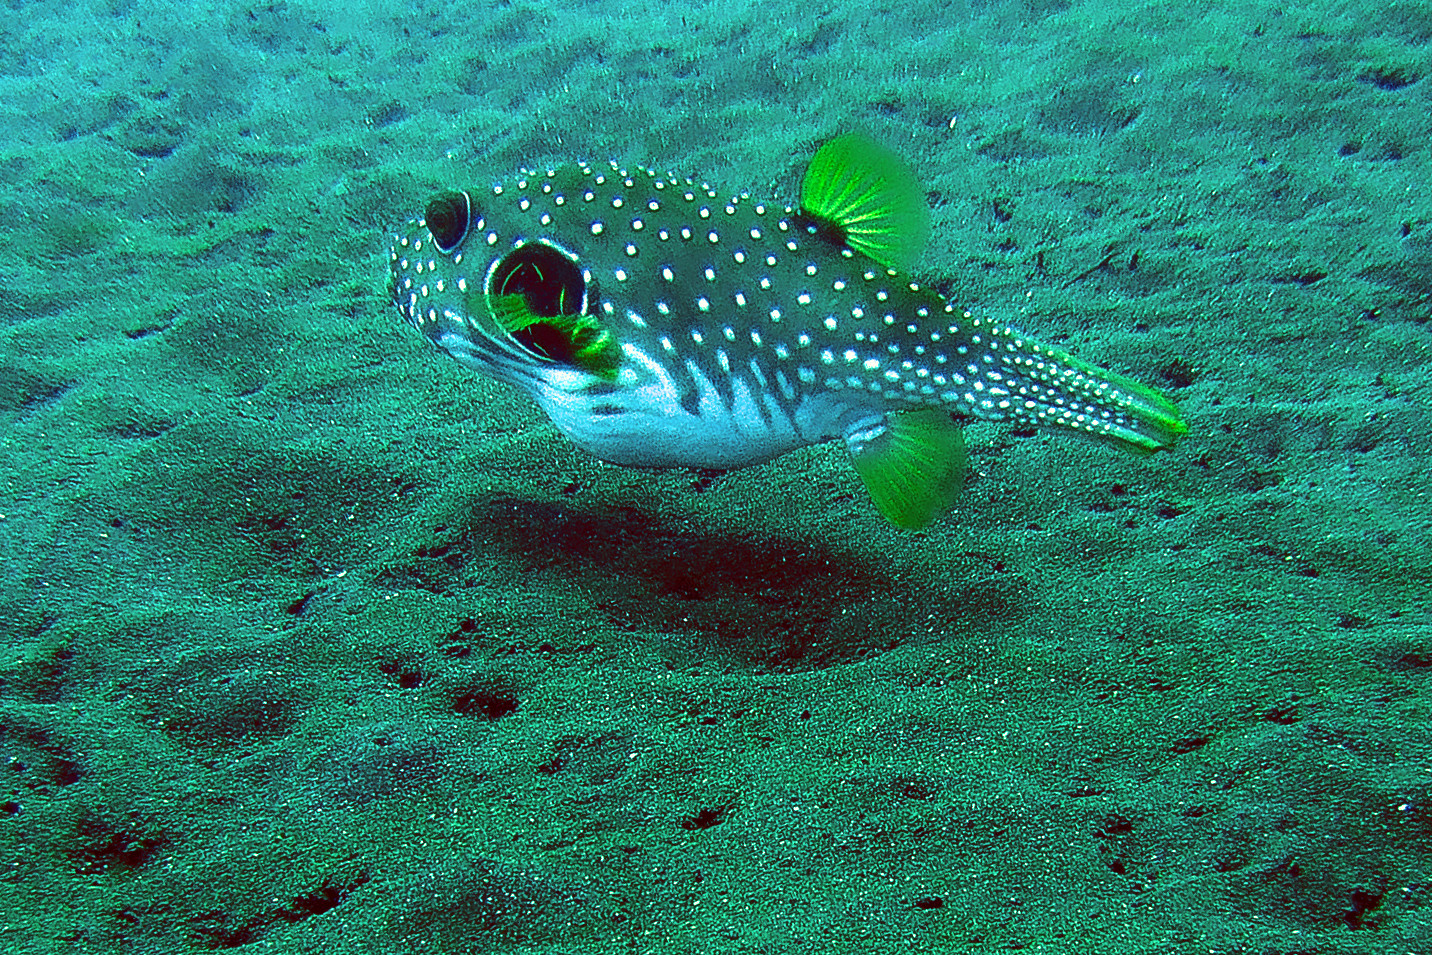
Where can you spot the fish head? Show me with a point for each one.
(500, 291)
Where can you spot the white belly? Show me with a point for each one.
(646, 425)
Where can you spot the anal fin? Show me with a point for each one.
(913, 464)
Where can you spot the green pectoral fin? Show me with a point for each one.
(913, 467)
(870, 196)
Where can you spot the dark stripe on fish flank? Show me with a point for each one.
(689, 399)
(688, 389)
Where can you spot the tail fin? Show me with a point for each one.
(1076, 397)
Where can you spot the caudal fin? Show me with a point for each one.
(1059, 392)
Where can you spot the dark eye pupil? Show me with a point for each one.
(448, 216)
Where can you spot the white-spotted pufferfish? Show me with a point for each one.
(660, 324)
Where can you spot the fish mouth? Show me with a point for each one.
(478, 344)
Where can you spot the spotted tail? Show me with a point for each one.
(1061, 392)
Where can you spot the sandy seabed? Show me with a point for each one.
(317, 642)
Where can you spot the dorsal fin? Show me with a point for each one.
(871, 196)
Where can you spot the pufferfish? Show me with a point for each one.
(659, 323)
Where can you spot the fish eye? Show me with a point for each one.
(448, 216)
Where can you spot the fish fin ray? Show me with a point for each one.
(913, 466)
(871, 196)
